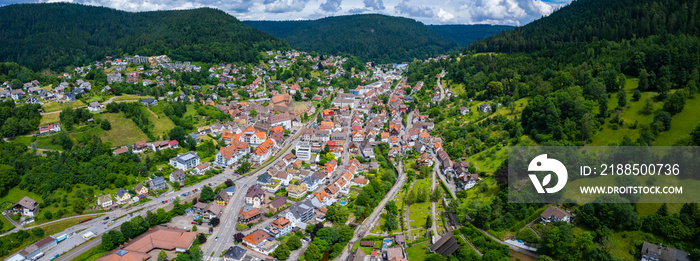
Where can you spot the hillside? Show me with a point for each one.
(464, 34)
(592, 20)
(379, 38)
(72, 34)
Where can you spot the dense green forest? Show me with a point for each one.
(73, 34)
(464, 34)
(379, 38)
(594, 20)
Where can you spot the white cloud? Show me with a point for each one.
(511, 12)
(331, 6)
(414, 11)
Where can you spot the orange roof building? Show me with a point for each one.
(155, 238)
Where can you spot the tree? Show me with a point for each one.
(281, 252)
(648, 107)
(244, 167)
(328, 234)
(664, 118)
(162, 255)
(695, 136)
(194, 228)
(48, 215)
(228, 182)
(105, 125)
(621, 98)
(663, 210)
(494, 88)
(253, 113)
(37, 232)
(637, 95)
(643, 80)
(664, 86)
(207, 195)
(178, 133)
(675, 103)
(294, 242)
(322, 245)
(587, 127)
(238, 237)
(437, 195)
(391, 222)
(201, 238)
(313, 253)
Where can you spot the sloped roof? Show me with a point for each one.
(446, 245)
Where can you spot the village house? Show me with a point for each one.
(234, 253)
(231, 154)
(157, 183)
(49, 129)
(104, 201)
(277, 204)
(254, 196)
(141, 190)
(201, 169)
(279, 227)
(177, 176)
(258, 241)
(296, 191)
(122, 196)
(554, 214)
(221, 198)
(25, 206)
(95, 106)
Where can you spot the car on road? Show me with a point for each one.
(216, 239)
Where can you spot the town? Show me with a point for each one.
(137, 132)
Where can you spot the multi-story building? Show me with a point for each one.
(185, 161)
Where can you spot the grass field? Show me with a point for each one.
(55, 106)
(130, 97)
(92, 254)
(42, 142)
(417, 252)
(124, 131)
(644, 209)
(49, 118)
(681, 125)
(6, 225)
(57, 227)
(161, 123)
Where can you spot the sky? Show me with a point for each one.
(504, 12)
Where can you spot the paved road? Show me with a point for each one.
(100, 225)
(439, 84)
(363, 229)
(228, 226)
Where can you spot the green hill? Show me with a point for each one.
(464, 34)
(60, 34)
(379, 38)
(594, 20)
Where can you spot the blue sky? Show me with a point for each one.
(507, 12)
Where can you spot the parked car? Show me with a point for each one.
(194, 222)
(106, 218)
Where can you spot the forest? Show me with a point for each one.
(54, 41)
(371, 37)
(584, 21)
